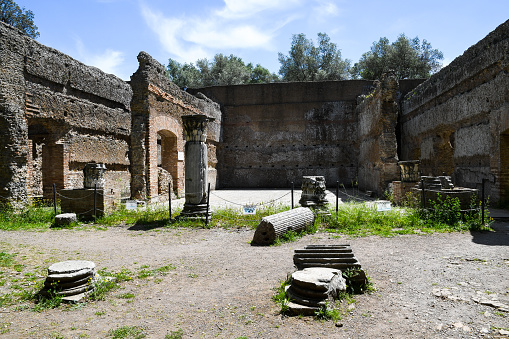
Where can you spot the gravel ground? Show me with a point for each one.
(427, 286)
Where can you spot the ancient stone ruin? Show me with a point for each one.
(94, 199)
(196, 161)
(332, 256)
(275, 226)
(323, 272)
(314, 193)
(58, 114)
(312, 288)
(71, 280)
(441, 187)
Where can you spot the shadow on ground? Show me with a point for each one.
(498, 237)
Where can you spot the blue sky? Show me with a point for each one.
(109, 34)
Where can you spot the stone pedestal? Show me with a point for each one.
(313, 194)
(196, 163)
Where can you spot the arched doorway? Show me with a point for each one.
(167, 158)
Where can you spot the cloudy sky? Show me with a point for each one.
(109, 34)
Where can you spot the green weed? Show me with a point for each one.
(279, 297)
(126, 296)
(175, 334)
(329, 312)
(134, 332)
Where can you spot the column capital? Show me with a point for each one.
(195, 127)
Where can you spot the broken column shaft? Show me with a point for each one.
(196, 163)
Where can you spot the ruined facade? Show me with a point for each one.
(57, 114)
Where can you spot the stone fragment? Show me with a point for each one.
(65, 219)
(312, 287)
(274, 226)
(313, 194)
(70, 279)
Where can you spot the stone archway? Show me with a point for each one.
(167, 162)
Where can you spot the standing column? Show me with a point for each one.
(196, 164)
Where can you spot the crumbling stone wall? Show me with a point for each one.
(378, 115)
(57, 114)
(274, 134)
(457, 122)
(157, 107)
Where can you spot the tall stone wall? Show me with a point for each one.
(273, 134)
(157, 142)
(378, 115)
(56, 115)
(457, 122)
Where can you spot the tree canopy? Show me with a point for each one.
(408, 58)
(223, 70)
(307, 62)
(22, 19)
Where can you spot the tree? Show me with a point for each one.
(223, 70)
(306, 62)
(22, 19)
(408, 58)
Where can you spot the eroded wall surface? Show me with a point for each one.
(273, 134)
(56, 115)
(457, 122)
(378, 157)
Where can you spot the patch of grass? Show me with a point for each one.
(163, 270)
(362, 219)
(142, 274)
(46, 302)
(134, 332)
(329, 312)
(150, 217)
(178, 334)
(36, 216)
(6, 259)
(126, 296)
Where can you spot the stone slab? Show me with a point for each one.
(65, 219)
(70, 266)
(314, 278)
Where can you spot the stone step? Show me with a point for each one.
(303, 300)
(308, 293)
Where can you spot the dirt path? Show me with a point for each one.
(222, 286)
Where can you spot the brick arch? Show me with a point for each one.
(169, 130)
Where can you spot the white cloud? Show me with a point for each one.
(247, 24)
(248, 8)
(326, 8)
(108, 61)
